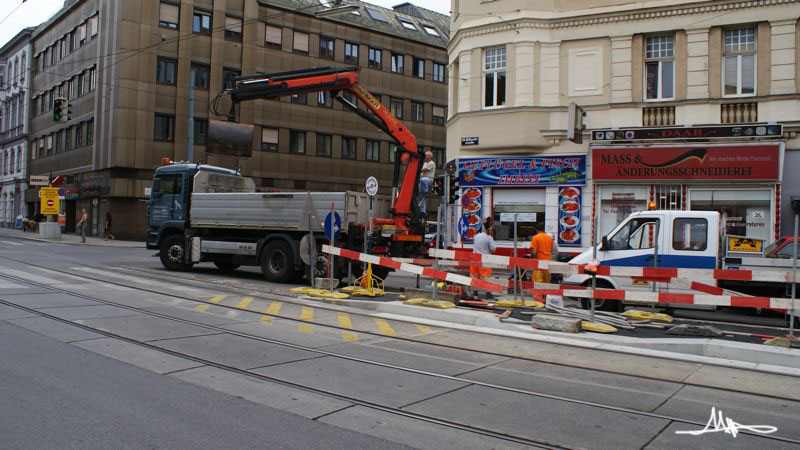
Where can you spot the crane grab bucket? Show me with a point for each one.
(229, 138)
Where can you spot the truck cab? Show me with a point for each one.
(168, 208)
(676, 239)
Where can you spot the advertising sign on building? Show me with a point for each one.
(49, 201)
(569, 215)
(471, 213)
(39, 180)
(522, 171)
(690, 162)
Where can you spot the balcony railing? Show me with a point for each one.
(738, 112)
(658, 116)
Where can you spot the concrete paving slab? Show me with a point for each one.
(411, 432)
(442, 352)
(288, 331)
(695, 403)
(145, 328)
(747, 381)
(368, 382)
(273, 395)
(146, 358)
(668, 440)
(212, 316)
(443, 364)
(48, 300)
(601, 387)
(560, 423)
(24, 289)
(91, 312)
(9, 312)
(235, 351)
(657, 368)
(54, 329)
(133, 299)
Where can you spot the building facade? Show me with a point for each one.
(15, 63)
(126, 68)
(650, 64)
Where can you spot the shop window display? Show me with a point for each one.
(744, 212)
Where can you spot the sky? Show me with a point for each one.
(16, 14)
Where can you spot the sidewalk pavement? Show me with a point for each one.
(70, 239)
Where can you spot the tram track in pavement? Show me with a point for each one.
(348, 398)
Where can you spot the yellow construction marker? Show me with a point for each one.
(244, 303)
(303, 328)
(344, 320)
(217, 299)
(423, 329)
(306, 315)
(274, 308)
(385, 328)
(201, 308)
(349, 337)
(267, 319)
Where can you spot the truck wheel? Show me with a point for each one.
(277, 263)
(601, 304)
(226, 266)
(172, 253)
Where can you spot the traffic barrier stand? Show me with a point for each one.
(367, 285)
(414, 269)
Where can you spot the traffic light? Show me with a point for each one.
(438, 185)
(455, 190)
(60, 109)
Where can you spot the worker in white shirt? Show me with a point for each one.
(483, 244)
(428, 171)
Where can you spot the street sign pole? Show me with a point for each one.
(333, 244)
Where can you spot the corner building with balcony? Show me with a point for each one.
(126, 68)
(516, 65)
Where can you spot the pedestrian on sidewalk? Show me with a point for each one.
(82, 223)
(107, 233)
(541, 250)
(483, 244)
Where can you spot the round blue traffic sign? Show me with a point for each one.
(337, 224)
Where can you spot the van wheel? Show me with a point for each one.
(277, 262)
(226, 266)
(172, 253)
(599, 303)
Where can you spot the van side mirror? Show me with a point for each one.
(604, 243)
(156, 189)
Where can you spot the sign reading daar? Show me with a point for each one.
(696, 162)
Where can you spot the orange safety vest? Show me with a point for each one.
(542, 246)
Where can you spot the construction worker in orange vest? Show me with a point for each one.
(542, 250)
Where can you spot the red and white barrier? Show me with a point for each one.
(415, 269)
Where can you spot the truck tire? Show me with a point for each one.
(277, 262)
(226, 266)
(172, 253)
(599, 303)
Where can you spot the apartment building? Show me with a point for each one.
(126, 68)
(15, 61)
(517, 65)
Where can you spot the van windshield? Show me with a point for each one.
(637, 234)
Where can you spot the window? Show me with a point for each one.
(80, 84)
(164, 129)
(393, 148)
(659, 67)
(374, 58)
(419, 68)
(348, 147)
(437, 117)
(165, 71)
(201, 75)
(168, 16)
(430, 29)
(326, 47)
(233, 28)
(396, 107)
(78, 137)
(19, 159)
(739, 62)
(323, 144)
(350, 53)
(50, 144)
(90, 132)
(92, 27)
(494, 86)
(377, 15)
(300, 42)
(70, 89)
(68, 138)
(200, 131)
(273, 36)
(299, 99)
(373, 150)
(417, 112)
(41, 146)
(269, 140)
(297, 141)
(636, 234)
(169, 185)
(438, 72)
(325, 99)
(690, 234)
(397, 63)
(201, 22)
(227, 77)
(81, 32)
(438, 156)
(93, 78)
(407, 24)
(67, 43)
(86, 81)
(76, 42)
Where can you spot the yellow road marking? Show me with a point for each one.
(344, 320)
(244, 303)
(348, 336)
(274, 308)
(385, 328)
(303, 328)
(217, 299)
(201, 308)
(423, 328)
(266, 319)
(306, 315)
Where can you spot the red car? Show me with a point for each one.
(783, 248)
